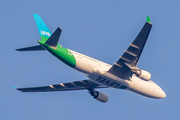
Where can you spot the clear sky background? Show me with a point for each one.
(102, 30)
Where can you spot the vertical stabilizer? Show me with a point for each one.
(44, 32)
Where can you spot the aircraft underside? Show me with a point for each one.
(123, 74)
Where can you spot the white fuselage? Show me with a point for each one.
(97, 71)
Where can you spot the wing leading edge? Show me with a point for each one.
(122, 68)
(77, 85)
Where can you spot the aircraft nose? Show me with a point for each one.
(161, 94)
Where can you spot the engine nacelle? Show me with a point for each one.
(99, 96)
(143, 74)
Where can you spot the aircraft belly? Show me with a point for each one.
(142, 87)
(102, 77)
(85, 65)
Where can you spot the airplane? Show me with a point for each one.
(124, 74)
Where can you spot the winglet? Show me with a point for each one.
(148, 20)
(14, 86)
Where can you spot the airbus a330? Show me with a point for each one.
(124, 74)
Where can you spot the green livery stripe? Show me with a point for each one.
(43, 38)
(61, 53)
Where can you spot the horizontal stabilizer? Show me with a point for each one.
(32, 48)
(54, 38)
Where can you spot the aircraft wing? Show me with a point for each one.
(77, 85)
(122, 68)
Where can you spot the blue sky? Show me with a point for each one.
(102, 30)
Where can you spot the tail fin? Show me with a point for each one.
(46, 37)
(44, 32)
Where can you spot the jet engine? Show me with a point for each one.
(99, 96)
(143, 74)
